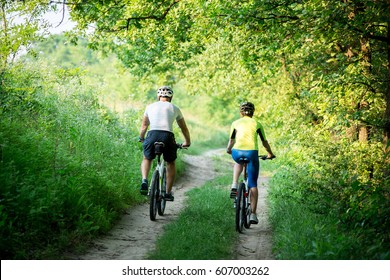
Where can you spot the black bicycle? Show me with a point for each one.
(243, 205)
(158, 186)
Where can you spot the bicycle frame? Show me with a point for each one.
(245, 174)
(247, 195)
(158, 184)
(243, 208)
(243, 198)
(160, 167)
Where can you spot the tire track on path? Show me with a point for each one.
(135, 234)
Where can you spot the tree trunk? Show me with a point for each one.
(363, 105)
(387, 111)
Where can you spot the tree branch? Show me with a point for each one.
(370, 35)
(378, 38)
(61, 2)
(154, 16)
(63, 13)
(5, 27)
(139, 18)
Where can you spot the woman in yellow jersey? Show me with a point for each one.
(243, 143)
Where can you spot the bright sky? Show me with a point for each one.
(54, 18)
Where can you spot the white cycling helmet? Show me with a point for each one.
(165, 91)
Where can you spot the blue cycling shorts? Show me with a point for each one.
(253, 165)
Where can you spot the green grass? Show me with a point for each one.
(311, 237)
(299, 233)
(205, 228)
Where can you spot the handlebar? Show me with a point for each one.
(180, 146)
(265, 157)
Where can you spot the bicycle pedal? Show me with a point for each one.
(144, 192)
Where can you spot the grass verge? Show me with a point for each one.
(301, 234)
(205, 228)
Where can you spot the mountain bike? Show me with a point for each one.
(243, 198)
(159, 183)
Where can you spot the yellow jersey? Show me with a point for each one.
(245, 131)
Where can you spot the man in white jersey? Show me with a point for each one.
(160, 117)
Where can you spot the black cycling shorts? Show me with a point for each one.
(167, 137)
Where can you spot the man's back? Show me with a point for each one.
(161, 115)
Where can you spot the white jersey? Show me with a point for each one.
(161, 115)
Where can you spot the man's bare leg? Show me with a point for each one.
(145, 168)
(171, 172)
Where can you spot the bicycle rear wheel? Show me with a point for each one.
(161, 201)
(240, 208)
(248, 210)
(154, 194)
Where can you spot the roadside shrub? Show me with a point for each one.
(67, 164)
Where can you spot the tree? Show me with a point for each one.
(336, 52)
(20, 22)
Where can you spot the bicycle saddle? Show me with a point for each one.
(158, 147)
(243, 160)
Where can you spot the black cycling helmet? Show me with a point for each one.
(165, 91)
(247, 107)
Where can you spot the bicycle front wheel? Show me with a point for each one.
(154, 194)
(161, 201)
(240, 208)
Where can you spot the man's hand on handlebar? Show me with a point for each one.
(183, 146)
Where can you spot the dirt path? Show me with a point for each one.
(256, 242)
(135, 235)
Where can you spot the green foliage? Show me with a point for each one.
(67, 163)
(312, 236)
(205, 228)
(317, 72)
(344, 199)
(20, 22)
(334, 52)
(75, 164)
(323, 233)
(207, 121)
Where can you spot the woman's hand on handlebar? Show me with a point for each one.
(265, 157)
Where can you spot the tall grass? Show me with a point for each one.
(68, 168)
(204, 230)
(316, 214)
(300, 234)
